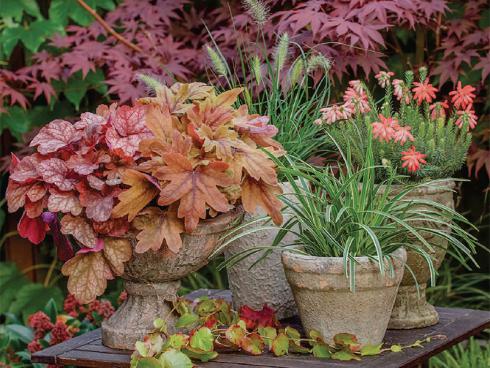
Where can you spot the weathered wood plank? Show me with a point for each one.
(50, 354)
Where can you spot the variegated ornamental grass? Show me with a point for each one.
(152, 170)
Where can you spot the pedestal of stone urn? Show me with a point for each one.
(153, 278)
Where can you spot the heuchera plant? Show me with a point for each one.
(152, 170)
(414, 133)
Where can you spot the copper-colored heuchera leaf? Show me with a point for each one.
(112, 227)
(158, 227)
(214, 110)
(26, 169)
(80, 228)
(116, 252)
(256, 128)
(256, 163)
(134, 199)
(128, 130)
(66, 202)
(35, 209)
(87, 275)
(260, 194)
(193, 187)
(222, 141)
(177, 96)
(55, 135)
(55, 171)
(36, 192)
(16, 195)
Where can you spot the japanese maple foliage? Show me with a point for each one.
(152, 170)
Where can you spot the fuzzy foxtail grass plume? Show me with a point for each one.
(257, 10)
(255, 68)
(296, 71)
(150, 82)
(318, 61)
(216, 61)
(281, 52)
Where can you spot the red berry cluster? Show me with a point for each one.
(41, 324)
(75, 309)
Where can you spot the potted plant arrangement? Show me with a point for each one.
(290, 91)
(418, 137)
(144, 192)
(349, 256)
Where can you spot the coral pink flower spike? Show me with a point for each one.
(385, 128)
(336, 112)
(424, 91)
(402, 134)
(438, 110)
(468, 114)
(412, 159)
(462, 97)
(356, 101)
(384, 78)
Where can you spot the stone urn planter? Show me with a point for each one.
(153, 278)
(411, 309)
(265, 283)
(326, 304)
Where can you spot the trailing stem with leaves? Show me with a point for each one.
(209, 326)
(413, 133)
(148, 172)
(341, 211)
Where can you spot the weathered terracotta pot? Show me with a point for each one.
(265, 283)
(153, 278)
(326, 304)
(411, 309)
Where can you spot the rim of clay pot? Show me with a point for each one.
(217, 224)
(440, 186)
(335, 265)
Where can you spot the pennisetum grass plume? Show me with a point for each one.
(257, 10)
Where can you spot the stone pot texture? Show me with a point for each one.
(265, 283)
(411, 309)
(326, 304)
(153, 278)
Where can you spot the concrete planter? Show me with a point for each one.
(153, 278)
(326, 303)
(411, 308)
(266, 282)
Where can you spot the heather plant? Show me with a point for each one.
(414, 134)
(153, 169)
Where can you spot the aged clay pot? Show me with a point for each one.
(265, 283)
(326, 304)
(153, 278)
(411, 308)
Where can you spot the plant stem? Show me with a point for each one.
(108, 28)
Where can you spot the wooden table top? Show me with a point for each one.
(455, 325)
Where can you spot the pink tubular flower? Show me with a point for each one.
(398, 88)
(412, 159)
(462, 97)
(424, 91)
(357, 86)
(356, 101)
(335, 113)
(385, 128)
(402, 134)
(438, 110)
(467, 115)
(384, 78)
